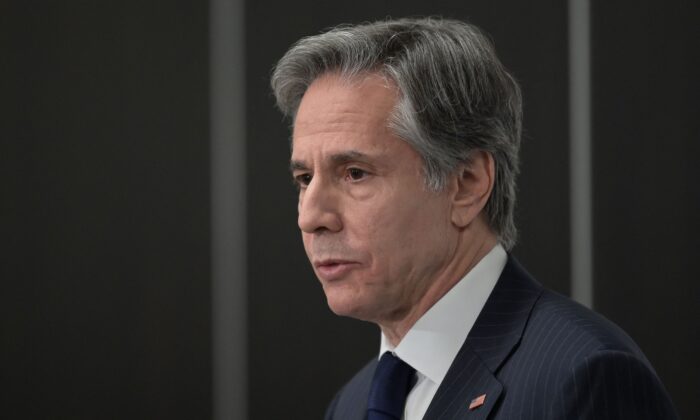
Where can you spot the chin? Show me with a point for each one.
(342, 307)
(345, 303)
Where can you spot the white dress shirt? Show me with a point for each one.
(433, 342)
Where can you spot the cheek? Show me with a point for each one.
(412, 233)
(307, 239)
(392, 238)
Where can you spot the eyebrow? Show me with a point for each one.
(337, 159)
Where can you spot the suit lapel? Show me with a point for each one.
(352, 402)
(467, 379)
(495, 335)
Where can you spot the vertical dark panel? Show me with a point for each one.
(228, 218)
(105, 212)
(647, 198)
(299, 351)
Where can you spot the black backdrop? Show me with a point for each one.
(647, 198)
(105, 199)
(105, 214)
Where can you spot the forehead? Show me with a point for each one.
(340, 113)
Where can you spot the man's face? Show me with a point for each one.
(374, 234)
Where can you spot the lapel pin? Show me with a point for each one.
(477, 402)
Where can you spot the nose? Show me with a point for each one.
(318, 208)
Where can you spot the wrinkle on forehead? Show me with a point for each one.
(342, 107)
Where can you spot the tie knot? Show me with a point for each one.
(390, 386)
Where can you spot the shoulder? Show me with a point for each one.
(612, 384)
(552, 327)
(585, 365)
(567, 323)
(561, 334)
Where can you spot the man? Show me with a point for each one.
(405, 151)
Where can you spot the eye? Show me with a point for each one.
(355, 174)
(302, 180)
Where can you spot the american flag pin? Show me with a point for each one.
(477, 402)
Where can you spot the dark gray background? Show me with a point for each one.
(106, 308)
(105, 214)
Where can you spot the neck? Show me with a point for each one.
(467, 254)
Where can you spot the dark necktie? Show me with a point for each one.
(390, 385)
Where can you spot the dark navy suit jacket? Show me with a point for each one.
(535, 355)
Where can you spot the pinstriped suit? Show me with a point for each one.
(536, 355)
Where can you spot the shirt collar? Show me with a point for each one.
(433, 342)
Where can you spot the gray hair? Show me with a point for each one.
(455, 95)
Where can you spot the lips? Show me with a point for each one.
(333, 269)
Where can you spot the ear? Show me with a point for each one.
(472, 186)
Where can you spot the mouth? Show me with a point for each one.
(332, 269)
